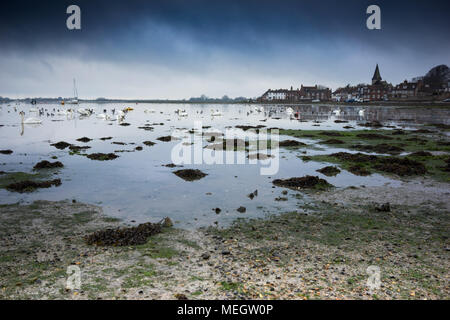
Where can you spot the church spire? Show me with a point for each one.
(376, 76)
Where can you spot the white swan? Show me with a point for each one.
(102, 116)
(83, 111)
(183, 113)
(361, 112)
(337, 112)
(120, 115)
(289, 111)
(29, 120)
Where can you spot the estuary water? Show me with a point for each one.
(138, 187)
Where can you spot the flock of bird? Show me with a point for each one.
(70, 113)
(336, 112)
(119, 114)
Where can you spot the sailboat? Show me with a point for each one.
(75, 94)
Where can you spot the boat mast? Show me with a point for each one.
(75, 89)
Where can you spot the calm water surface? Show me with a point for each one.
(136, 186)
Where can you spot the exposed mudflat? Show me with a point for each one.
(372, 193)
(320, 251)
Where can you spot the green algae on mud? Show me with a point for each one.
(10, 178)
(102, 156)
(30, 186)
(307, 182)
(329, 171)
(418, 143)
(48, 165)
(381, 141)
(407, 166)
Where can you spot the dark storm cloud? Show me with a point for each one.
(324, 40)
(233, 24)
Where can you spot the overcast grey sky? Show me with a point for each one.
(176, 49)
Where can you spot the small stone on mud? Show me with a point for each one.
(166, 138)
(385, 207)
(331, 133)
(332, 141)
(48, 165)
(302, 183)
(124, 236)
(359, 171)
(167, 223)
(379, 148)
(29, 186)
(205, 256)
(217, 210)
(401, 166)
(170, 165)
(241, 209)
(78, 148)
(84, 139)
(329, 171)
(61, 145)
(373, 124)
(190, 174)
(291, 143)
(180, 296)
(373, 136)
(245, 128)
(421, 154)
(149, 143)
(102, 156)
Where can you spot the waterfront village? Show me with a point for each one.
(434, 86)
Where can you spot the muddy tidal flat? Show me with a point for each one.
(353, 190)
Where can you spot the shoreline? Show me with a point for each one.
(412, 104)
(320, 251)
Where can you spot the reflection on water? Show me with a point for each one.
(136, 186)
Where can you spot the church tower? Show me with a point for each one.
(376, 76)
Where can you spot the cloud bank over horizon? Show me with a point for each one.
(176, 49)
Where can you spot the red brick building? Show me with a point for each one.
(315, 93)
